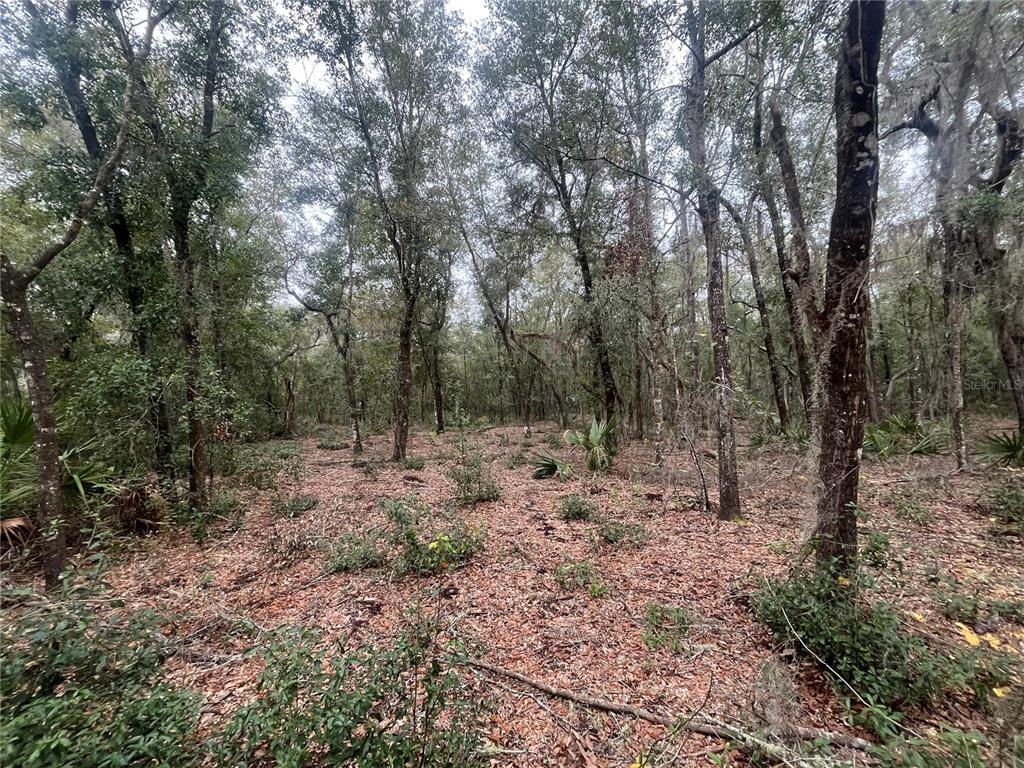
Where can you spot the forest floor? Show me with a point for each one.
(271, 570)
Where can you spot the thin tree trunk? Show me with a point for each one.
(50, 511)
(435, 379)
(789, 288)
(774, 369)
(403, 376)
(841, 378)
(708, 210)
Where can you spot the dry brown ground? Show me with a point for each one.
(506, 597)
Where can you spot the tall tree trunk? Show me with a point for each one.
(435, 380)
(774, 369)
(789, 287)
(841, 381)
(403, 376)
(50, 511)
(1011, 347)
(193, 360)
(800, 268)
(708, 205)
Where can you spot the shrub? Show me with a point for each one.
(415, 462)
(665, 627)
(908, 508)
(618, 533)
(898, 434)
(1005, 502)
(553, 439)
(1005, 450)
(575, 507)
(862, 642)
(572, 575)
(355, 552)
(403, 512)
(450, 548)
(598, 442)
(333, 445)
(224, 512)
(295, 506)
(545, 466)
(473, 481)
(371, 707)
(83, 684)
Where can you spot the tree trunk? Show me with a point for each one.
(50, 512)
(193, 362)
(403, 377)
(708, 211)
(774, 370)
(800, 269)
(435, 379)
(789, 288)
(1012, 349)
(841, 380)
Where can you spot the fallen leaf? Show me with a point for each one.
(969, 634)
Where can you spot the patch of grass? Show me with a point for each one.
(333, 445)
(294, 506)
(517, 459)
(619, 533)
(415, 462)
(356, 552)
(575, 507)
(909, 508)
(665, 627)
(1004, 501)
(554, 440)
(572, 575)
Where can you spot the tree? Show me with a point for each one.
(841, 379)
(15, 282)
(543, 103)
(709, 211)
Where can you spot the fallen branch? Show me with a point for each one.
(702, 724)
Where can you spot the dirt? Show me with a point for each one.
(271, 572)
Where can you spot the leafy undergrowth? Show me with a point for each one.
(634, 595)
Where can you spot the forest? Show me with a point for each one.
(457, 383)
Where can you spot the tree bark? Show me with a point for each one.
(708, 204)
(774, 370)
(403, 377)
(841, 363)
(50, 510)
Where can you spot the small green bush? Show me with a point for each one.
(83, 684)
(1005, 502)
(403, 512)
(415, 462)
(575, 507)
(371, 707)
(910, 509)
(572, 575)
(449, 549)
(333, 445)
(665, 627)
(473, 481)
(862, 642)
(295, 506)
(598, 442)
(618, 533)
(356, 552)
(554, 440)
